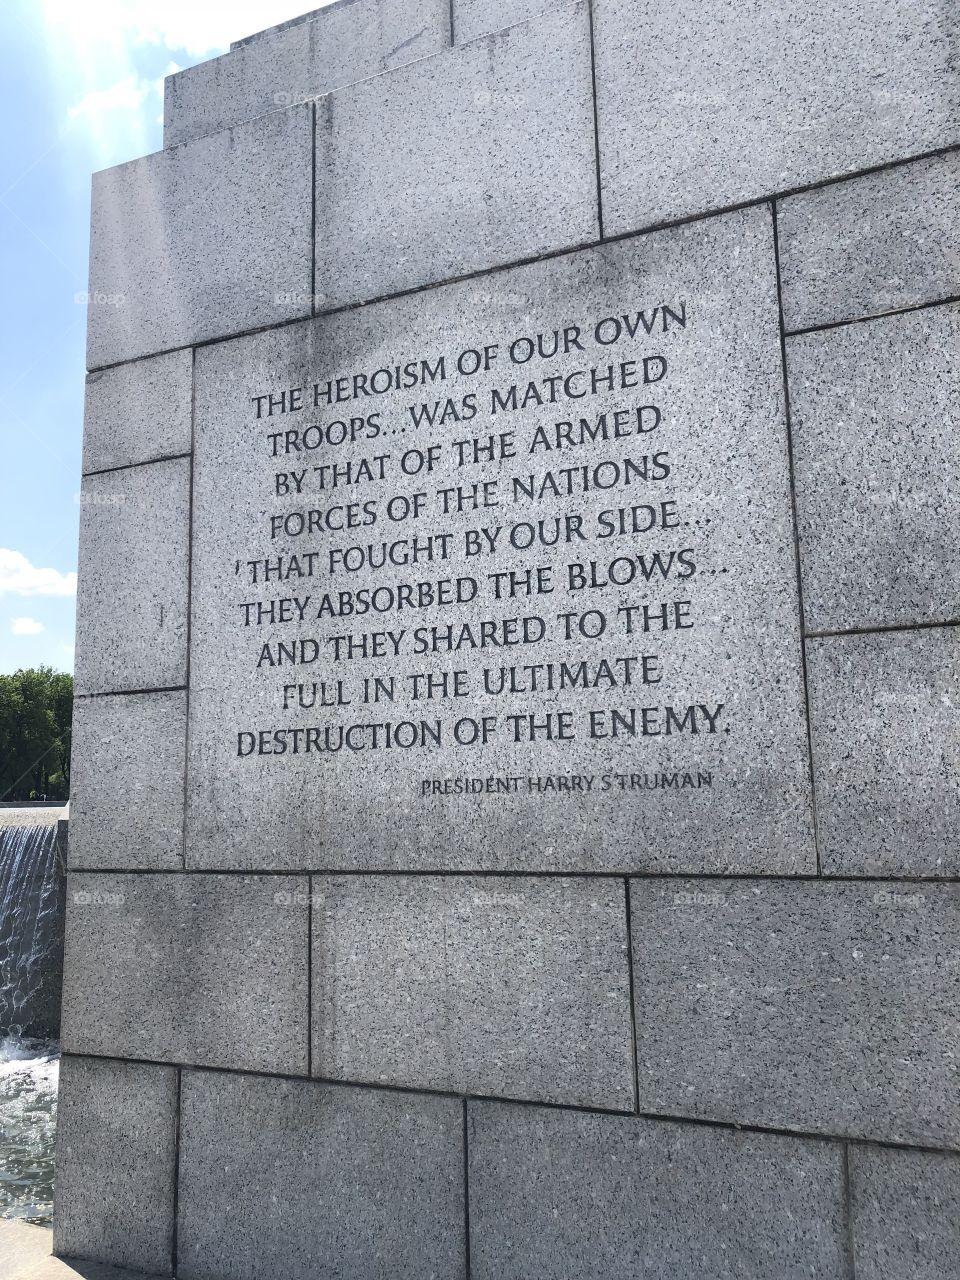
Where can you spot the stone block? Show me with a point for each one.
(662, 509)
(881, 242)
(203, 240)
(138, 412)
(301, 61)
(511, 987)
(127, 780)
(207, 970)
(116, 1159)
(818, 1006)
(470, 160)
(875, 465)
(701, 106)
(561, 1195)
(885, 719)
(905, 1214)
(293, 1181)
(475, 18)
(132, 597)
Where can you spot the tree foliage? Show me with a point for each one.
(36, 710)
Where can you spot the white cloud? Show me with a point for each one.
(26, 627)
(198, 28)
(20, 578)
(203, 29)
(128, 94)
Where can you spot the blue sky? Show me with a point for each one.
(81, 88)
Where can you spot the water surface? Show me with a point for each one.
(29, 1070)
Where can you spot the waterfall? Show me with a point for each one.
(32, 898)
(31, 924)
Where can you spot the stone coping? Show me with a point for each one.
(37, 814)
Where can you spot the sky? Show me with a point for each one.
(81, 88)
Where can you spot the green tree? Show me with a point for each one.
(36, 710)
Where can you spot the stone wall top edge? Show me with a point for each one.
(206, 140)
(310, 16)
(315, 15)
(279, 32)
(320, 97)
(272, 33)
(532, 20)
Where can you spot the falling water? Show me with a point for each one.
(31, 959)
(30, 915)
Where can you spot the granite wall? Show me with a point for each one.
(515, 819)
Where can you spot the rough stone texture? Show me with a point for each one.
(138, 412)
(132, 593)
(202, 240)
(877, 243)
(511, 987)
(885, 718)
(734, 799)
(876, 454)
(469, 160)
(209, 970)
(127, 782)
(474, 18)
(559, 1195)
(310, 1180)
(819, 1006)
(302, 61)
(705, 105)
(905, 1214)
(441, 975)
(116, 1155)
